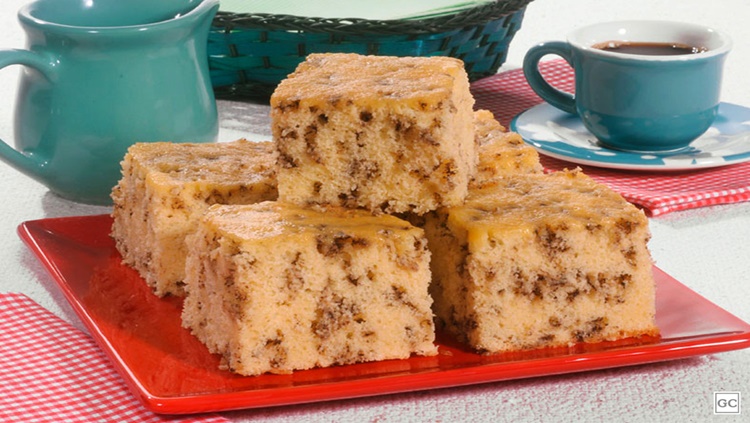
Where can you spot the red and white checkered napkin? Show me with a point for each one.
(508, 94)
(52, 372)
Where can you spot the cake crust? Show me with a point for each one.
(166, 187)
(387, 134)
(500, 152)
(542, 261)
(275, 288)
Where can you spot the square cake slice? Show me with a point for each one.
(275, 287)
(388, 134)
(166, 187)
(542, 261)
(500, 152)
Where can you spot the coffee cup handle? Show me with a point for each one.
(560, 99)
(31, 165)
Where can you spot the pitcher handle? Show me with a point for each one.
(31, 165)
(560, 99)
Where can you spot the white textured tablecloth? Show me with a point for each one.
(707, 249)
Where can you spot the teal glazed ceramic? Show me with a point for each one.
(635, 102)
(101, 75)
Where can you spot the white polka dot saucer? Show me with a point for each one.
(561, 135)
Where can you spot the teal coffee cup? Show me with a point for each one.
(98, 76)
(646, 86)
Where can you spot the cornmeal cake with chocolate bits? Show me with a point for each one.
(500, 152)
(165, 187)
(275, 287)
(388, 134)
(542, 260)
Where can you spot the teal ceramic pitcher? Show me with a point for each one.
(100, 75)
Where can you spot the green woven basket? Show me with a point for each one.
(249, 54)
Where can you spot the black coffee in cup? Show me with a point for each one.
(649, 48)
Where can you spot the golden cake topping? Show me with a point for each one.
(334, 77)
(270, 219)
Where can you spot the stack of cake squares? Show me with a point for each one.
(391, 208)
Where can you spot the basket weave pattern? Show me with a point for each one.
(249, 54)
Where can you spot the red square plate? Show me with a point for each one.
(172, 372)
